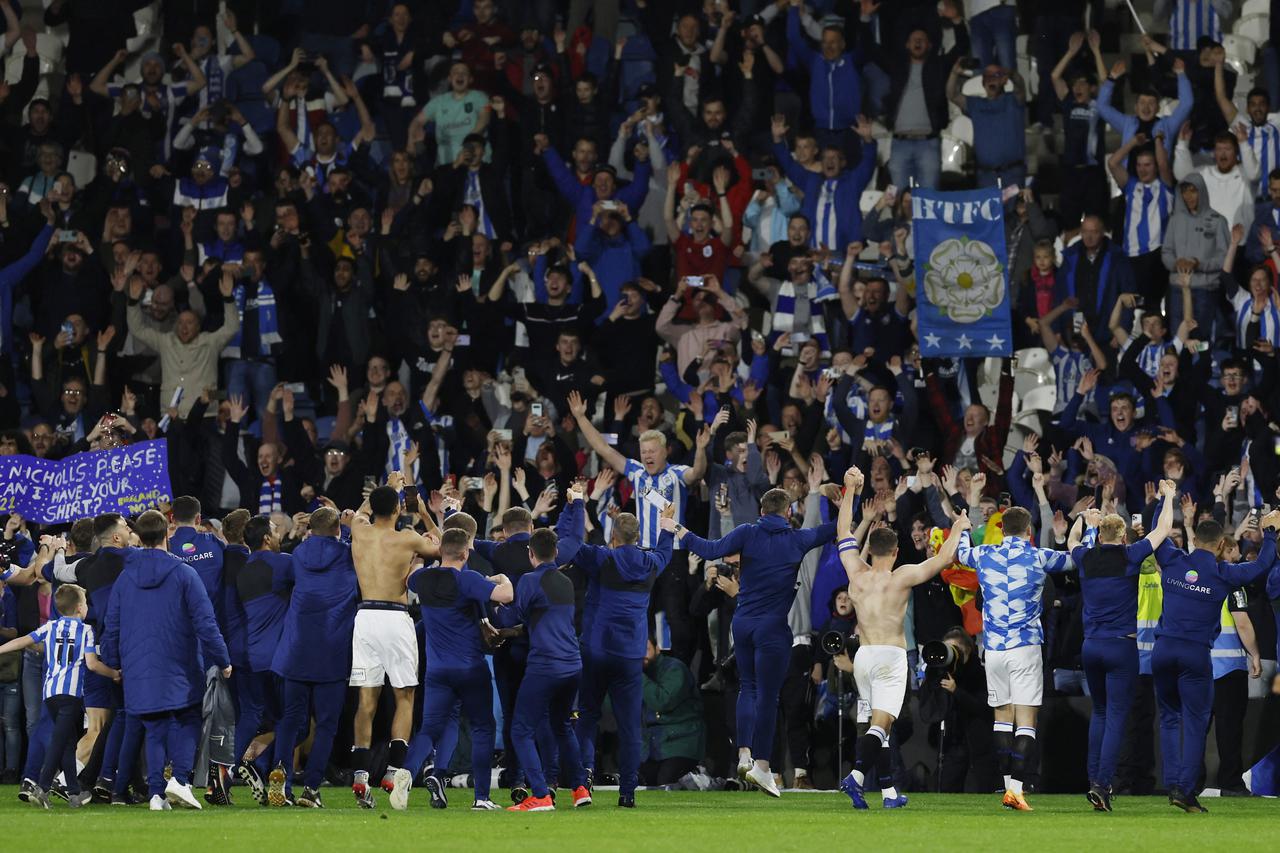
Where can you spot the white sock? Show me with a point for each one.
(858, 776)
(1008, 782)
(889, 793)
(79, 767)
(800, 773)
(1015, 785)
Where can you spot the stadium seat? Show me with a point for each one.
(955, 154)
(1040, 399)
(324, 428)
(1240, 50)
(961, 128)
(1255, 27)
(83, 166)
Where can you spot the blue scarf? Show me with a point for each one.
(268, 328)
(1268, 323)
(211, 196)
(270, 496)
(784, 313)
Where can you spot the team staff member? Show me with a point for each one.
(313, 658)
(159, 620)
(1109, 573)
(1195, 586)
(262, 587)
(615, 631)
(771, 551)
(545, 604)
(452, 597)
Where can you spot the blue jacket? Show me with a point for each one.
(615, 615)
(1264, 216)
(835, 88)
(202, 552)
(263, 586)
(159, 620)
(11, 276)
(849, 186)
(1114, 444)
(1195, 585)
(235, 624)
(1127, 125)
(615, 260)
(1115, 278)
(315, 641)
(583, 196)
(771, 552)
(545, 603)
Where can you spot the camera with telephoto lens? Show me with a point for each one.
(938, 656)
(835, 642)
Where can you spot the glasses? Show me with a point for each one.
(72, 392)
(335, 453)
(1233, 375)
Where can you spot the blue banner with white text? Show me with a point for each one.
(962, 274)
(126, 480)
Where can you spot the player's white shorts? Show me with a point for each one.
(1015, 676)
(384, 647)
(881, 675)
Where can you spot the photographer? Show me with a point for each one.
(954, 693)
(718, 594)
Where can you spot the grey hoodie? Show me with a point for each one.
(1202, 235)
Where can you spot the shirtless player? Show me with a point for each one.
(879, 594)
(384, 646)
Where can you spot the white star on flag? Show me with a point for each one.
(996, 341)
(932, 340)
(964, 342)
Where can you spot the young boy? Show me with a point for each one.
(68, 647)
(1073, 354)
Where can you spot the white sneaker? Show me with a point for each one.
(160, 804)
(401, 785)
(744, 767)
(180, 795)
(485, 806)
(763, 779)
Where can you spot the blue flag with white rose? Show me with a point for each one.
(962, 274)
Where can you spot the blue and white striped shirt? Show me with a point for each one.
(1190, 20)
(1264, 139)
(1146, 212)
(669, 483)
(1068, 367)
(66, 642)
(1012, 576)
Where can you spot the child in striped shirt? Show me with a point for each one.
(68, 648)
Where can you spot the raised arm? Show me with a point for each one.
(921, 572)
(954, 84)
(607, 454)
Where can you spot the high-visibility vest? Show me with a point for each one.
(1228, 652)
(1150, 605)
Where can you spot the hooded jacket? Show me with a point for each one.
(1202, 235)
(771, 551)
(159, 620)
(315, 643)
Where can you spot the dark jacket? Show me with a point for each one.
(315, 644)
(159, 620)
(673, 726)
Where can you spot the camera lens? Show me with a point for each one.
(937, 654)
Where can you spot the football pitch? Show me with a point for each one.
(676, 821)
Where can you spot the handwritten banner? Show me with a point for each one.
(126, 480)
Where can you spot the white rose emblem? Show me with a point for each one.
(964, 279)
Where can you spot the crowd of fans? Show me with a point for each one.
(500, 246)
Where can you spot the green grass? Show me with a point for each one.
(681, 822)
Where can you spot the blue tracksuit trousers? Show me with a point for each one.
(1111, 668)
(622, 679)
(762, 651)
(1183, 674)
(547, 699)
